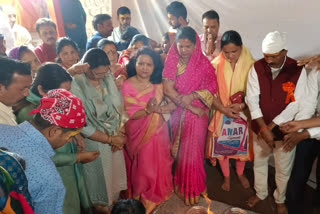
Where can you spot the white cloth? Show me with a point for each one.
(274, 42)
(6, 115)
(116, 35)
(283, 166)
(21, 35)
(5, 29)
(289, 113)
(311, 103)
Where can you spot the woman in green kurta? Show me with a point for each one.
(106, 176)
(51, 76)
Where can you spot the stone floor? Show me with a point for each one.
(175, 206)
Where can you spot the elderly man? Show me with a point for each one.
(46, 52)
(275, 89)
(21, 34)
(102, 24)
(59, 117)
(15, 81)
(210, 40)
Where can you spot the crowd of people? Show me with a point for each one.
(120, 124)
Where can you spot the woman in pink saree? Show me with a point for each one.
(148, 147)
(190, 82)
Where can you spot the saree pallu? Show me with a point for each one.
(187, 129)
(148, 148)
(230, 82)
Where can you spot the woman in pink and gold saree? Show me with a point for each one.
(190, 82)
(148, 159)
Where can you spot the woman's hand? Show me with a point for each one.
(185, 100)
(86, 157)
(119, 81)
(152, 105)
(80, 143)
(196, 110)
(236, 107)
(229, 112)
(290, 126)
(118, 141)
(78, 68)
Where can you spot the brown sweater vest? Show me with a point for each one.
(272, 96)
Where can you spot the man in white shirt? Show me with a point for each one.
(210, 39)
(5, 30)
(275, 89)
(15, 81)
(307, 147)
(21, 34)
(124, 18)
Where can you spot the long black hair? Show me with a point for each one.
(95, 57)
(156, 76)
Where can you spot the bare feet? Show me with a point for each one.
(253, 200)
(282, 209)
(196, 199)
(244, 181)
(226, 184)
(187, 201)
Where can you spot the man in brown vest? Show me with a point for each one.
(275, 89)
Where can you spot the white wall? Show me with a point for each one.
(253, 19)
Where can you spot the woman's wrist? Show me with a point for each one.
(78, 158)
(109, 139)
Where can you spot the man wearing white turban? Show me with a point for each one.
(275, 88)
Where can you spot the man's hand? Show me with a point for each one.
(86, 157)
(311, 62)
(268, 137)
(292, 139)
(291, 126)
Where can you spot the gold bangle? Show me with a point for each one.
(111, 140)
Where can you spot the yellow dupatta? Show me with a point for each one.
(229, 82)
